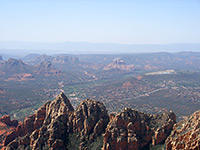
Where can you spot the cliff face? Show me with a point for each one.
(131, 129)
(6, 126)
(185, 134)
(50, 125)
(45, 128)
(89, 120)
(6, 120)
(56, 126)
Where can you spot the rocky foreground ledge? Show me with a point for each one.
(57, 126)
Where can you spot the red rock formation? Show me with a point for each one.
(5, 129)
(131, 129)
(185, 134)
(21, 77)
(90, 120)
(6, 119)
(119, 64)
(49, 126)
(46, 68)
(150, 67)
(43, 129)
(54, 124)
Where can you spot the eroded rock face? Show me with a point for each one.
(131, 129)
(54, 124)
(90, 120)
(46, 128)
(185, 134)
(50, 125)
(6, 119)
(6, 126)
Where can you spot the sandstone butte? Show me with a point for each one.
(57, 126)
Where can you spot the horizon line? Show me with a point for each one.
(99, 42)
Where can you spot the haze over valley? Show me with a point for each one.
(149, 82)
(99, 75)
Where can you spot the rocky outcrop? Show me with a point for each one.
(14, 62)
(131, 129)
(57, 60)
(89, 121)
(6, 119)
(46, 68)
(185, 134)
(6, 126)
(46, 128)
(21, 77)
(14, 66)
(66, 60)
(50, 126)
(56, 125)
(17, 70)
(119, 64)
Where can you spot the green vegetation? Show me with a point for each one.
(154, 93)
(158, 147)
(97, 144)
(20, 114)
(73, 142)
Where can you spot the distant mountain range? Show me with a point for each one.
(41, 64)
(21, 47)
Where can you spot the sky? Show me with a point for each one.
(99, 21)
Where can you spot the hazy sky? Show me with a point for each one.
(117, 21)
